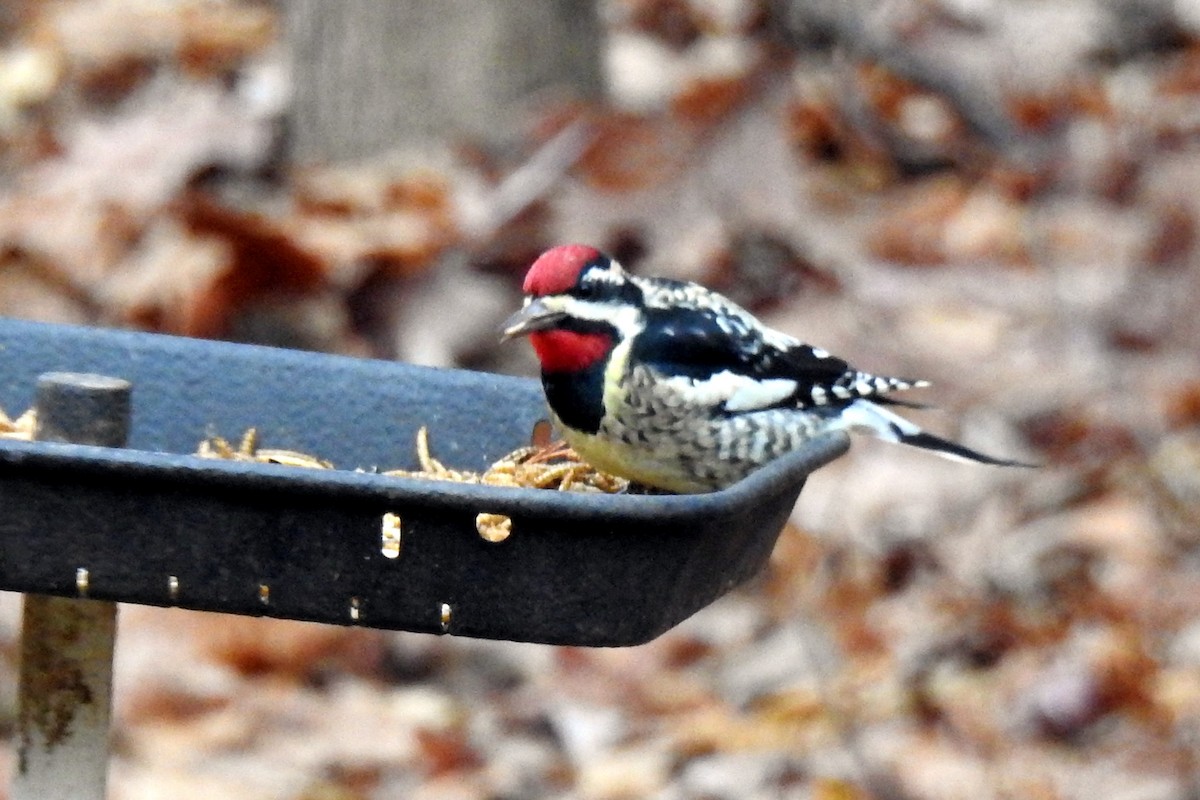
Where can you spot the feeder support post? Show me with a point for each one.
(65, 693)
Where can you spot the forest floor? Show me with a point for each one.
(1000, 197)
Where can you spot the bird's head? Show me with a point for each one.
(579, 304)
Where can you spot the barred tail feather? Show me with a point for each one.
(868, 416)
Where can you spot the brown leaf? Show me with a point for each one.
(631, 152)
(301, 650)
(706, 100)
(264, 262)
(448, 751)
(913, 231)
(670, 21)
(215, 38)
(759, 269)
(1072, 436)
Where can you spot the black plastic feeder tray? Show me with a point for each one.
(153, 524)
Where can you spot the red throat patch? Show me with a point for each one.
(568, 351)
(557, 269)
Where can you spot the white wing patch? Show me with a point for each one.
(753, 395)
(727, 390)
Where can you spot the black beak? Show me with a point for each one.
(533, 317)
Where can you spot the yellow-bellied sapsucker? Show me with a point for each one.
(676, 387)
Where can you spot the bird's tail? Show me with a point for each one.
(867, 416)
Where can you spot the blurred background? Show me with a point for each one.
(998, 195)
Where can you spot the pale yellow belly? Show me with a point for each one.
(635, 463)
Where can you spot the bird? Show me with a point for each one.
(676, 387)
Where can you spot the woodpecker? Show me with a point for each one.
(677, 387)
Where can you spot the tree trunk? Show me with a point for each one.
(371, 74)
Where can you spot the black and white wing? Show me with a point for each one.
(731, 359)
(732, 363)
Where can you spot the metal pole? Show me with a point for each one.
(65, 693)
